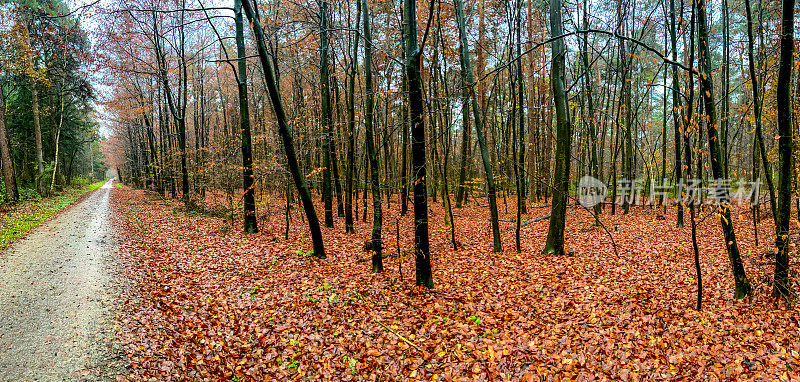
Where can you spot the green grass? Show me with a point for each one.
(28, 214)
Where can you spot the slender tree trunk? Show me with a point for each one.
(57, 141)
(522, 189)
(706, 82)
(782, 287)
(695, 247)
(377, 214)
(37, 129)
(466, 133)
(664, 198)
(422, 261)
(10, 180)
(675, 117)
(446, 118)
(688, 129)
(726, 86)
(558, 210)
(200, 130)
(759, 137)
(283, 130)
(351, 127)
(335, 135)
(626, 95)
(178, 111)
(324, 70)
(250, 224)
(593, 164)
(469, 82)
(367, 173)
(182, 120)
(404, 145)
(184, 168)
(514, 160)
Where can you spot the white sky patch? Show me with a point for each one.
(86, 12)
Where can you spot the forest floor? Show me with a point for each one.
(209, 302)
(57, 296)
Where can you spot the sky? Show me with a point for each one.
(86, 13)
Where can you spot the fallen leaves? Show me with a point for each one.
(258, 311)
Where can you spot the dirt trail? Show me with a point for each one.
(56, 295)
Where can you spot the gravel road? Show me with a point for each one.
(57, 291)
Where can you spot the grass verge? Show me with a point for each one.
(28, 214)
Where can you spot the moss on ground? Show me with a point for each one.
(29, 213)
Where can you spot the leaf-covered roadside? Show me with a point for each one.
(211, 303)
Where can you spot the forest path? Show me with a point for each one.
(56, 295)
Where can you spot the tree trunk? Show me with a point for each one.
(759, 137)
(688, 157)
(522, 188)
(404, 146)
(12, 194)
(469, 82)
(466, 133)
(782, 287)
(37, 128)
(675, 117)
(351, 127)
(250, 224)
(324, 70)
(706, 82)
(626, 103)
(335, 135)
(56, 142)
(416, 118)
(726, 85)
(593, 164)
(283, 130)
(377, 214)
(184, 168)
(558, 210)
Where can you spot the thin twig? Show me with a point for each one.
(526, 223)
(398, 335)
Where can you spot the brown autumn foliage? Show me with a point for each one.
(208, 302)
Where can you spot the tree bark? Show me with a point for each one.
(10, 180)
(675, 117)
(469, 82)
(706, 82)
(404, 145)
(37, 129)
(759, 137)
(593, 164)
(250, 224)
(56, 142)
(422, 261)
(558, 210)
(283, 130)
(688, 157)
(324, 70)
(726, 85)
(351, 127)
(781, 287)
(466, 142)
(377, 213)
(626, 103)
(522, 187)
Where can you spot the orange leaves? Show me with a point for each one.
(315, 172)
(492, 316)
(17, 54)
